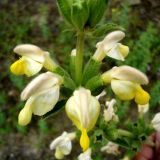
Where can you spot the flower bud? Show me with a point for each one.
(109, 113)
(62, 145)
(111, 148)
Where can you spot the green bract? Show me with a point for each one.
(79, 14)
(97, 9)
(82, 13)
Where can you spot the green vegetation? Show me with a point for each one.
(39, 23)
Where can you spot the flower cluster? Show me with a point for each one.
(82, 108)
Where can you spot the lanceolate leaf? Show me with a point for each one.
(102, 30)
(80, 14)
(94, 83)
(97, 9)
(91, 69)
(65, 9)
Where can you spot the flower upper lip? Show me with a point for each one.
(39, 84)
(32, 51)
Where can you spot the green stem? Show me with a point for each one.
(125, 133)
(79, 57)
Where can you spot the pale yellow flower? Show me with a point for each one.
(42, 93)
(126, 83)
(62, 144)
(83, 109)
(32, 60)
(111, 47)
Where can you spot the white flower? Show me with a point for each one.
(62, 145)
(83, 109)
(156, 122)
(143, 108)
(109, 113)
(85, 155)
(126, 83)
(42, 93)
(110, 47)
(32, 60)
(111, 148)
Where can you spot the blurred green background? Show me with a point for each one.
(38, 22)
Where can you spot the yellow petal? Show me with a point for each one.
(142, 97)
(25, 66)
(59, 154)
(125, 90)
(84, 140)
(118, 51)
(124, 50)
(18, 67)
(25, 116)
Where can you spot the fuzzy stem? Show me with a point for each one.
(79, 57)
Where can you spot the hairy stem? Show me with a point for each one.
(79, 57)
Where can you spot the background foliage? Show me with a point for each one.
(38, 22)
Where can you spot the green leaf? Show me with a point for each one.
(123, 142)
(59, 70)
(102, 30)
(91, 69)
(56, 108)
(80, 14)
(69, 83)
(65, 7)
(97, 9)
(94, 83)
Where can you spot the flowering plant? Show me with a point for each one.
(81, 87)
